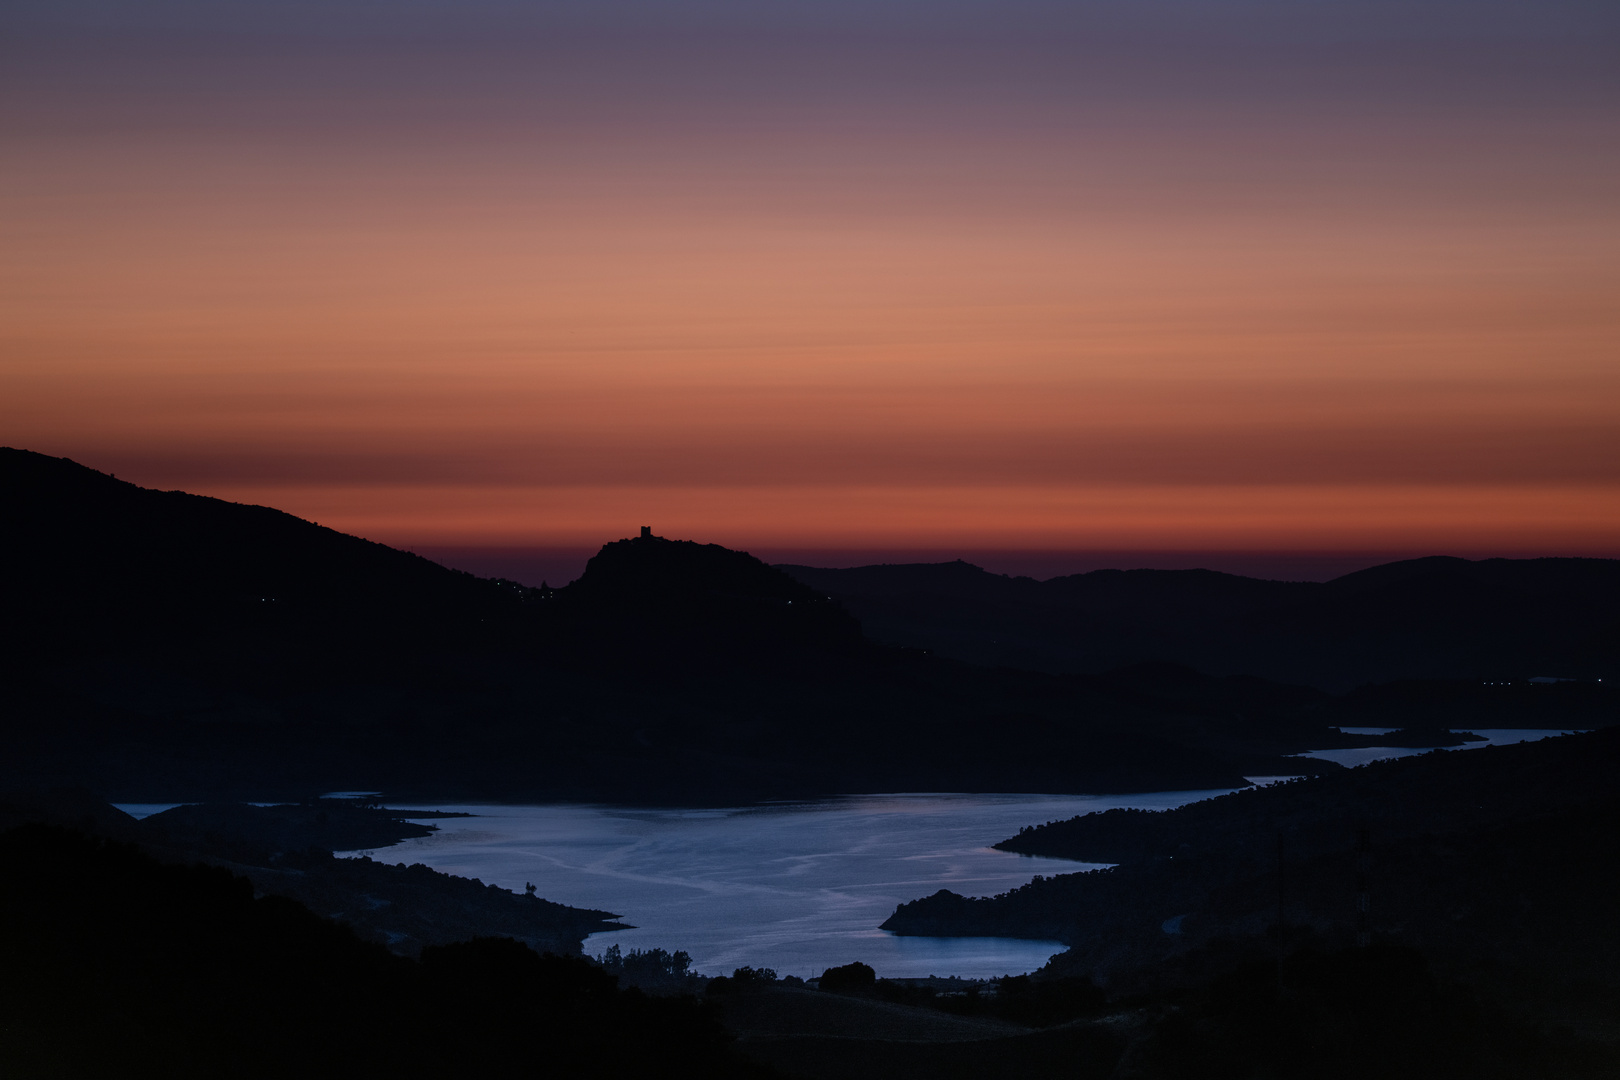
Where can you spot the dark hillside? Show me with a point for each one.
(116, 965)
(1459, 703)
(1495, 862)
(89, 559)
(1435, 793)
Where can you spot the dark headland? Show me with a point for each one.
(161, 646)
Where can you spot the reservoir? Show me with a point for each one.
(798, 887)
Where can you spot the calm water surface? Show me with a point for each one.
(797, 887)
(1360, 755)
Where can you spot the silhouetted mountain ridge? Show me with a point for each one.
(1430, 618)
(167, 646)
(88, 556)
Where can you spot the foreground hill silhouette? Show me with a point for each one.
(1497, 863)
(287, 851)
(169, 646)
(91, 558)
(116, 965)
(1423, 619)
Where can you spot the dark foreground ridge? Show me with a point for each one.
(1393, 799)
(164, 646)
(1495, 863)
(287, 851)
(1344, 1013)
(117, 965)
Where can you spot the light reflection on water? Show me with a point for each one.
(796, 887)
(1361, 755)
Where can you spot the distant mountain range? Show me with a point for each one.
(169, 646)
(1437, 618)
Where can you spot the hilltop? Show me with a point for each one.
(170, 646)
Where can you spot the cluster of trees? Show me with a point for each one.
(656, 970)
(749, 978)
(850, 978)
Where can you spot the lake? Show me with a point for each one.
(797, 887)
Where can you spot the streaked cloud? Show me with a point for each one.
(1349, 271)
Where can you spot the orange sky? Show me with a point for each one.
(768, 292)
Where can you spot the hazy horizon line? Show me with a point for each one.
(557, 565)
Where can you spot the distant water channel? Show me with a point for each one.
(1361, 755)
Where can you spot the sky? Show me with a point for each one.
(1307, 278)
